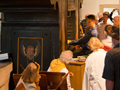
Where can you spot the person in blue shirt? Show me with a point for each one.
(92, 32)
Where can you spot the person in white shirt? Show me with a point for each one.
(94, 65)
(58, 65)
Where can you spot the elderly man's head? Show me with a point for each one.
(86, 15)
(100, 15)
(116, 20)
(66, 56)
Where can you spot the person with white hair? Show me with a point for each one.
(100, 16)
(94, 65)
(116, 20)
(58, 65)
(113, 12)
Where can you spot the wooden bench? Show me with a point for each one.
(56, 80)
(43, 81)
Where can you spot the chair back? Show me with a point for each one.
(54, 78)
(43, 82)
(63, 79)
(16, 78)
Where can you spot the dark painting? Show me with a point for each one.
(30, 49)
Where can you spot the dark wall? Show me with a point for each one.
(31, 22)
(25, 3)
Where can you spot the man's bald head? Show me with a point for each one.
(116, 20)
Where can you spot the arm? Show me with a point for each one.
(109, 85)
(86, 77)
(48, 69)
(82, 40)
(24, 51)
(85, 84)
(38, 88)
(111, 15)
(64, 70)
(108, 72)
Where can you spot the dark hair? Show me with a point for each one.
(108, 29)
(91, 16)
(106, 13)
(113, 31)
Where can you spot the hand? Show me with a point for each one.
(23, 48)
(71, 74)
(114, 9)
(38, 88)
(118, 10)
(68, 41)
(80, 48)
(71, 43)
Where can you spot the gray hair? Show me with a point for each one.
(95, 44)
(99, 13)
(66, 56)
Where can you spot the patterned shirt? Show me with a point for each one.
(112, 66)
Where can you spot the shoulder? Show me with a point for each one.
(113, 51)
(83, 21)
(64, 70)
(30, 86)
(113, 55)
(100, 23)
(20, 81)
(94, 30)
(98, 52)
(95, 56)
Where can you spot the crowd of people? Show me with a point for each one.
(102, 66)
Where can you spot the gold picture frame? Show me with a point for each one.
(29, 49)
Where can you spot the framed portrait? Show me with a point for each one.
(29, 49)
